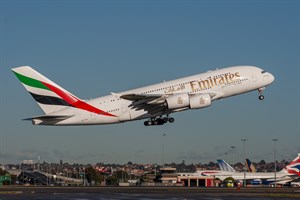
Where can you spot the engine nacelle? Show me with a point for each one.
(200, 101)
(178, 101)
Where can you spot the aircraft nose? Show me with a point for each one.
(271, 78)
(268, 78)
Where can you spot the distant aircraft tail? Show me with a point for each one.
(250, 166)
(224, 166)
(294, 166)
(48, 95)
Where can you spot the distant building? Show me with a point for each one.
(27, 162)
(168, 175)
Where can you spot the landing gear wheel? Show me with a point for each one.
(261, 97)
(171, 120)
(165, 119)
(158, 121)
(148, 123)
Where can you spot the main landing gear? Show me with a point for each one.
(260, 91)
(159, 121)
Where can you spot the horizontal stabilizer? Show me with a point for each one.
(50, 117)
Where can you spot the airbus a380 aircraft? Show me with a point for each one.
(150, 102)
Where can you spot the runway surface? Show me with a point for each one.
(145, 193)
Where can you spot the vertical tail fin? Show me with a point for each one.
(48, 95)
(250, 166)
(224, 166)
(294, 166)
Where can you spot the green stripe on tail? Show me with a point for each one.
(31, 82)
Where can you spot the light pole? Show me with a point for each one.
(39, 157)
(275, 140)
(83, 176)
(163, 149)
(232, 151)
(244, 140)
(226, 153)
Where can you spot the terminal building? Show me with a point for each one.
(194, 180)
(170, 177)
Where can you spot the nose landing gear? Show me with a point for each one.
(260, 91)
(261, 97)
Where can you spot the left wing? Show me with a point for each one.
(156, 103)
(149, 98)
(152, 103)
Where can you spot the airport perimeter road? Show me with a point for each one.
(91, 193)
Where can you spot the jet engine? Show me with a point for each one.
(200, 101)
(178, 101)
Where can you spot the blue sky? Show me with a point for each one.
(92, 48)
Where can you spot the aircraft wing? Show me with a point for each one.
(157, 98)
(152, 103)
(148, 98)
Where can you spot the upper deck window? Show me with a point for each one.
(263, 72)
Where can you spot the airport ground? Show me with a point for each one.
(91, 193)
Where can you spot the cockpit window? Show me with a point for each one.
(263, 72)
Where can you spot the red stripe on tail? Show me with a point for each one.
(76, 102)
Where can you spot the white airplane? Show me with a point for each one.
(289, 173)
(150, 102)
